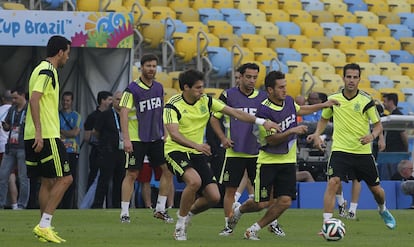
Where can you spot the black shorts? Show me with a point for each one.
(279, 177)
(154, 151)
(233, 170)
(362, 166)
(51, 162)
(178, 162)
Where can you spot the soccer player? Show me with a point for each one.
(46, 155)
(143, 134)
(351, 147)
(275, 181)
(186, 116)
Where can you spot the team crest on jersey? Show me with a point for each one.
(203, 109)
(66, 167)
(226, 176)
(132, 161)
(183, 163)
(357, 107)
(263, 193)
(329, 172)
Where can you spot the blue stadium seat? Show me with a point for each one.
(378, 56)
(400, 31)
(220, 57)
(380, 81)
(273, 65)
(52, 4)
(401, 56)
(207, 14)
(242, 27)
(407, 19)
(309, 5)
(174, 25)
(356, 5)
(355, 29)
(332, 29)
(409, 95)
(287, 28)
(288, 54)
(405, 107)
(232, 14)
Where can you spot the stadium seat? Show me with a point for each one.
(263, 54)
(152, 38)
(344, 43)
(368, 69)
(290, 4)
(299, 41)
(173, 25)
(388, 43)
(364, 82)
(356, 56)
(342, 17)
(405, 107)
(275, 65)
(178, 4)
(156, 3)
(185, 45)
(288, 54)
(309, 5)
(314, 84)
(194, 27)
(407, 19)
(169, 92)
(288, 28)
(161, 12)
(389, 68)
(220, 58)
(267, 4)
(201, 4)
(376, 6)
(333, 56)
(164, 79)
(277, 41)
(355, 29)
(398, 6)
(401, 95)
(232, 15)
(187, 14)
(373, 92)
(322, 42)
(213, 92)
(321, 68)
(400, 31)
(208, 14)
(366, 17)
(332, 29)
(386, 18)
(311, 29)
(253, 40)
(246, 55)
(378, 30)
(335, 5)
(401, 56)
(378, 56)
(332, 82)
(229, 40)
(265, 28)
(81, 5)
(254, 15)
(320, 16)
(294, 83)
(407, 69)
(407, 44)
(220, 4)
(356, 5)
(174, 76)
(297, 16)
(380, 81)
(409, 95)
(276, 15)
(366, 43)
(298, 68)
(219, 27)
(310, 55)
(212, 40)
(141, 14)
(402, 81)
(243, 27)
(245, 4)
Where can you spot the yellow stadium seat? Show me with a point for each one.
(366, 43)
(373, 92)
(117, 7)
(219, 27)
(152, 38)
(143, 13)
(366, 17)
(311, 29)
(277, 41)
(165, 79)
(220, 4)
(228, 40)
(265, 28)
(368, 69)
(213, 40)
(200, 4)
(297, 16)
(411, 2)
(322, 42)
(407, 43)
(333, 56)
(161, 12)
(356, 56)
(335, 5)
(364, 82)
(246, 55)
(290, 4)
(320, 16)
(267, 4)
(332, 82)
(136, 73)
(169, 92)
(174, 77)
(185, 45)
(344, 43)
(178, 4)
(402, 81)
(213, 92)
(386, 18)
(377, 6)
(298, 68)
(186, 14)
(262, 74)
(339, 67)
(388, 43)
(128, 3)
(299, 41)
(196, 26)
(253, 40)
(274, 15)
(81, 5)
(389, 68)
(13, 6)
(378, 30)
(263, 54)
(407, 69)
(245, 4)
(294, 84)
(401, 95)
(310, 55)
(342, 17)
(159, 3)
(315, 85)
(254, 15)
(321, 68)
(398, 6)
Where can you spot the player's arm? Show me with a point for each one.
(35, 113)
(278, 138)
(125, 131)
(376, 130)
(215, 125)
(315, 137)
(308, 109)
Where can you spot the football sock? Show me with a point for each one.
(226, 221)
(125, 208)
(251, 196)
(327, 216)
(180, 221)
(340, 198)
(353, 207)
(46, 220)
(382, 207)
(255, 227)
(274, 222)
(161, 203)
(237, 196)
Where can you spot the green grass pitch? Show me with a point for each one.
(98, 227)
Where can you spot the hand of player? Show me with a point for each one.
(128, 146)
(331, 102)
(366, 139)
(38, 144)
(226, 143)
(269, 125)
(317, 141)
(300, 130)
(204, 148)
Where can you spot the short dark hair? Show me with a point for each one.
(68, 93)
(103, 95)
(148, 57)
(189, 77)
(270, 79)
(352, 66)
(246, 66)
(20, 90)
(392, 97)
(55, 44)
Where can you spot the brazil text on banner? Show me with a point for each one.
(84, 29)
